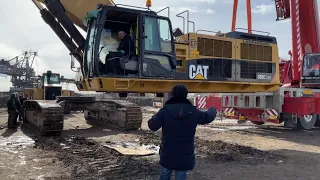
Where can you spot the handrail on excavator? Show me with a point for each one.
(194, 25)
(178, 15)
(125, 5)
(268, 33)
(165, 9)
(188, 21)
(201, 30)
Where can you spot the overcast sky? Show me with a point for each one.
(22, 28)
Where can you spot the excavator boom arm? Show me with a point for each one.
(64, 15)
(76, 10)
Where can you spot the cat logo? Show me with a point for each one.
(199, 72)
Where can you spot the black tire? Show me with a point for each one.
(257, 123)
(317, 124)
(76, 99)
(307, 122)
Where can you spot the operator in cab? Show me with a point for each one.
(126, 48)
(126, 45)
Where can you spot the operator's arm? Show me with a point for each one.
(156, 122)
(208, 116)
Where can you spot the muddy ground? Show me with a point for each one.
(224, 150)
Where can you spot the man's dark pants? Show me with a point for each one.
(165, 174)
(112, 62)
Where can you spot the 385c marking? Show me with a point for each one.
(263, 77)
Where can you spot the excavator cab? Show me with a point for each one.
(51, 85)
(150, 52)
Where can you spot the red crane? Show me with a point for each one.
(305, 38)
(297, 103)
(305, 35)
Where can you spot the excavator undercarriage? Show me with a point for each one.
(46, 117)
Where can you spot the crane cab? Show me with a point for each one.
(150, 51)
(311, 70)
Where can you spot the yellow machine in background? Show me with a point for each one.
(67, 92)
(47, 87)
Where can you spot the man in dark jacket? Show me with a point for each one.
(126, 45)
(178, 120)
(12, 111)
(126, 48)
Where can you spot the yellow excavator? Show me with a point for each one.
(47, 87)
(202, 60)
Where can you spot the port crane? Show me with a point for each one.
(20, 69)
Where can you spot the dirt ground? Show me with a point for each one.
(224, 149)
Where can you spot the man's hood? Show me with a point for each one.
(179, 109)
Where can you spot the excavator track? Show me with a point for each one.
(121, 114)
(46, 117)
(43, 117)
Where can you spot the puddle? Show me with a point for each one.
(14, 143)
(129, 148)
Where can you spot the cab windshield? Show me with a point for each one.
(54, 79)
(158, 36)
(158, 40)
(311, 65)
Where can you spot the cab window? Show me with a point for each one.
(89, 47)
(311, 65)
(158, 36)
